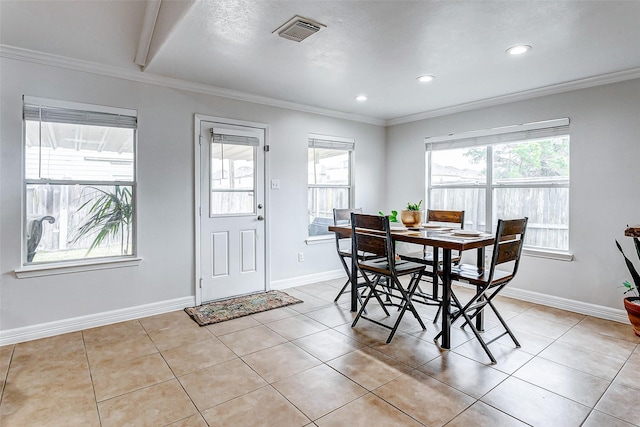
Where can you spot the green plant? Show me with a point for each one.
(110, 214)
(392, 218)
(629, 287)
(414, 206)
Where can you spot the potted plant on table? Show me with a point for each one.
(632, 303)
(393, 217)
(412, 216)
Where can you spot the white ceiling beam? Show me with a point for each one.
(171, 13)
(146, 34)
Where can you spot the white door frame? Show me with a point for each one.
(198, 119)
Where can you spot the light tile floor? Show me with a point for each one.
(304, 365)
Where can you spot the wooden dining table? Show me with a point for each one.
(443, 239)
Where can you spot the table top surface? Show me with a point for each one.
(441, 238)
(633, 231)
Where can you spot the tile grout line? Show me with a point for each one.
(6, 376)
(93, 386)
(370, 345)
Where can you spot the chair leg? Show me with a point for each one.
(347, 283)
(372, 292)
(406, 296)
(382, 304)
(468, 319)
(456, 303)
(437, 316)
(409, 304)
(364, 304)
(504, 324)
(480, 340)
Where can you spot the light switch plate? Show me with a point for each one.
(275, 184)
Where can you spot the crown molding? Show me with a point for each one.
(42, 58)
(619, 76)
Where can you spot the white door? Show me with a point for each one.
(232, 225)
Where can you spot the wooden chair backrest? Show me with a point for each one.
(343, 217)
(452, 217)
(371, 234)
(340, 215)
(509, 242)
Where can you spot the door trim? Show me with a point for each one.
(198, 119)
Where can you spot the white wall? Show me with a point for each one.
(605, 183)
(605, 148)
(165, 188)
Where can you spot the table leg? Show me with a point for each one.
(446, 298)
(480, 316)
(354, 276)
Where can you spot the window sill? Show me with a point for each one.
(549, 254)
(62, 268)
(319, 240)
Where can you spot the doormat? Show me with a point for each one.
(219, 311)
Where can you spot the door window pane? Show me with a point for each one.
(232, 179)
(227, 203)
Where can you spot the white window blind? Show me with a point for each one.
(522, 132)
(41, 113)
(331, 144)
(235, 139)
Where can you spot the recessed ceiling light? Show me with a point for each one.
(361, 98)
(518, 50)
(426, 78)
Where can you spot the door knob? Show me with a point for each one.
(260, 218)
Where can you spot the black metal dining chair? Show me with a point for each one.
(431, 257)
(372, 234)
(507, 248)
(343, 248)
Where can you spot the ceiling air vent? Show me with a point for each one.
(298, 28)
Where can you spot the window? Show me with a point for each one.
(79, 182)
(506, 173)
(232, 177)
(330, 182)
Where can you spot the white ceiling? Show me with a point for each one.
(377, 48)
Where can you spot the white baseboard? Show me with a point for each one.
(593, 310)
(43, 330)
(599, 311)
(308, 279)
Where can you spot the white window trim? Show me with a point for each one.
(39, 270)
(489, 138)
(548, 253)
(319, 240)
